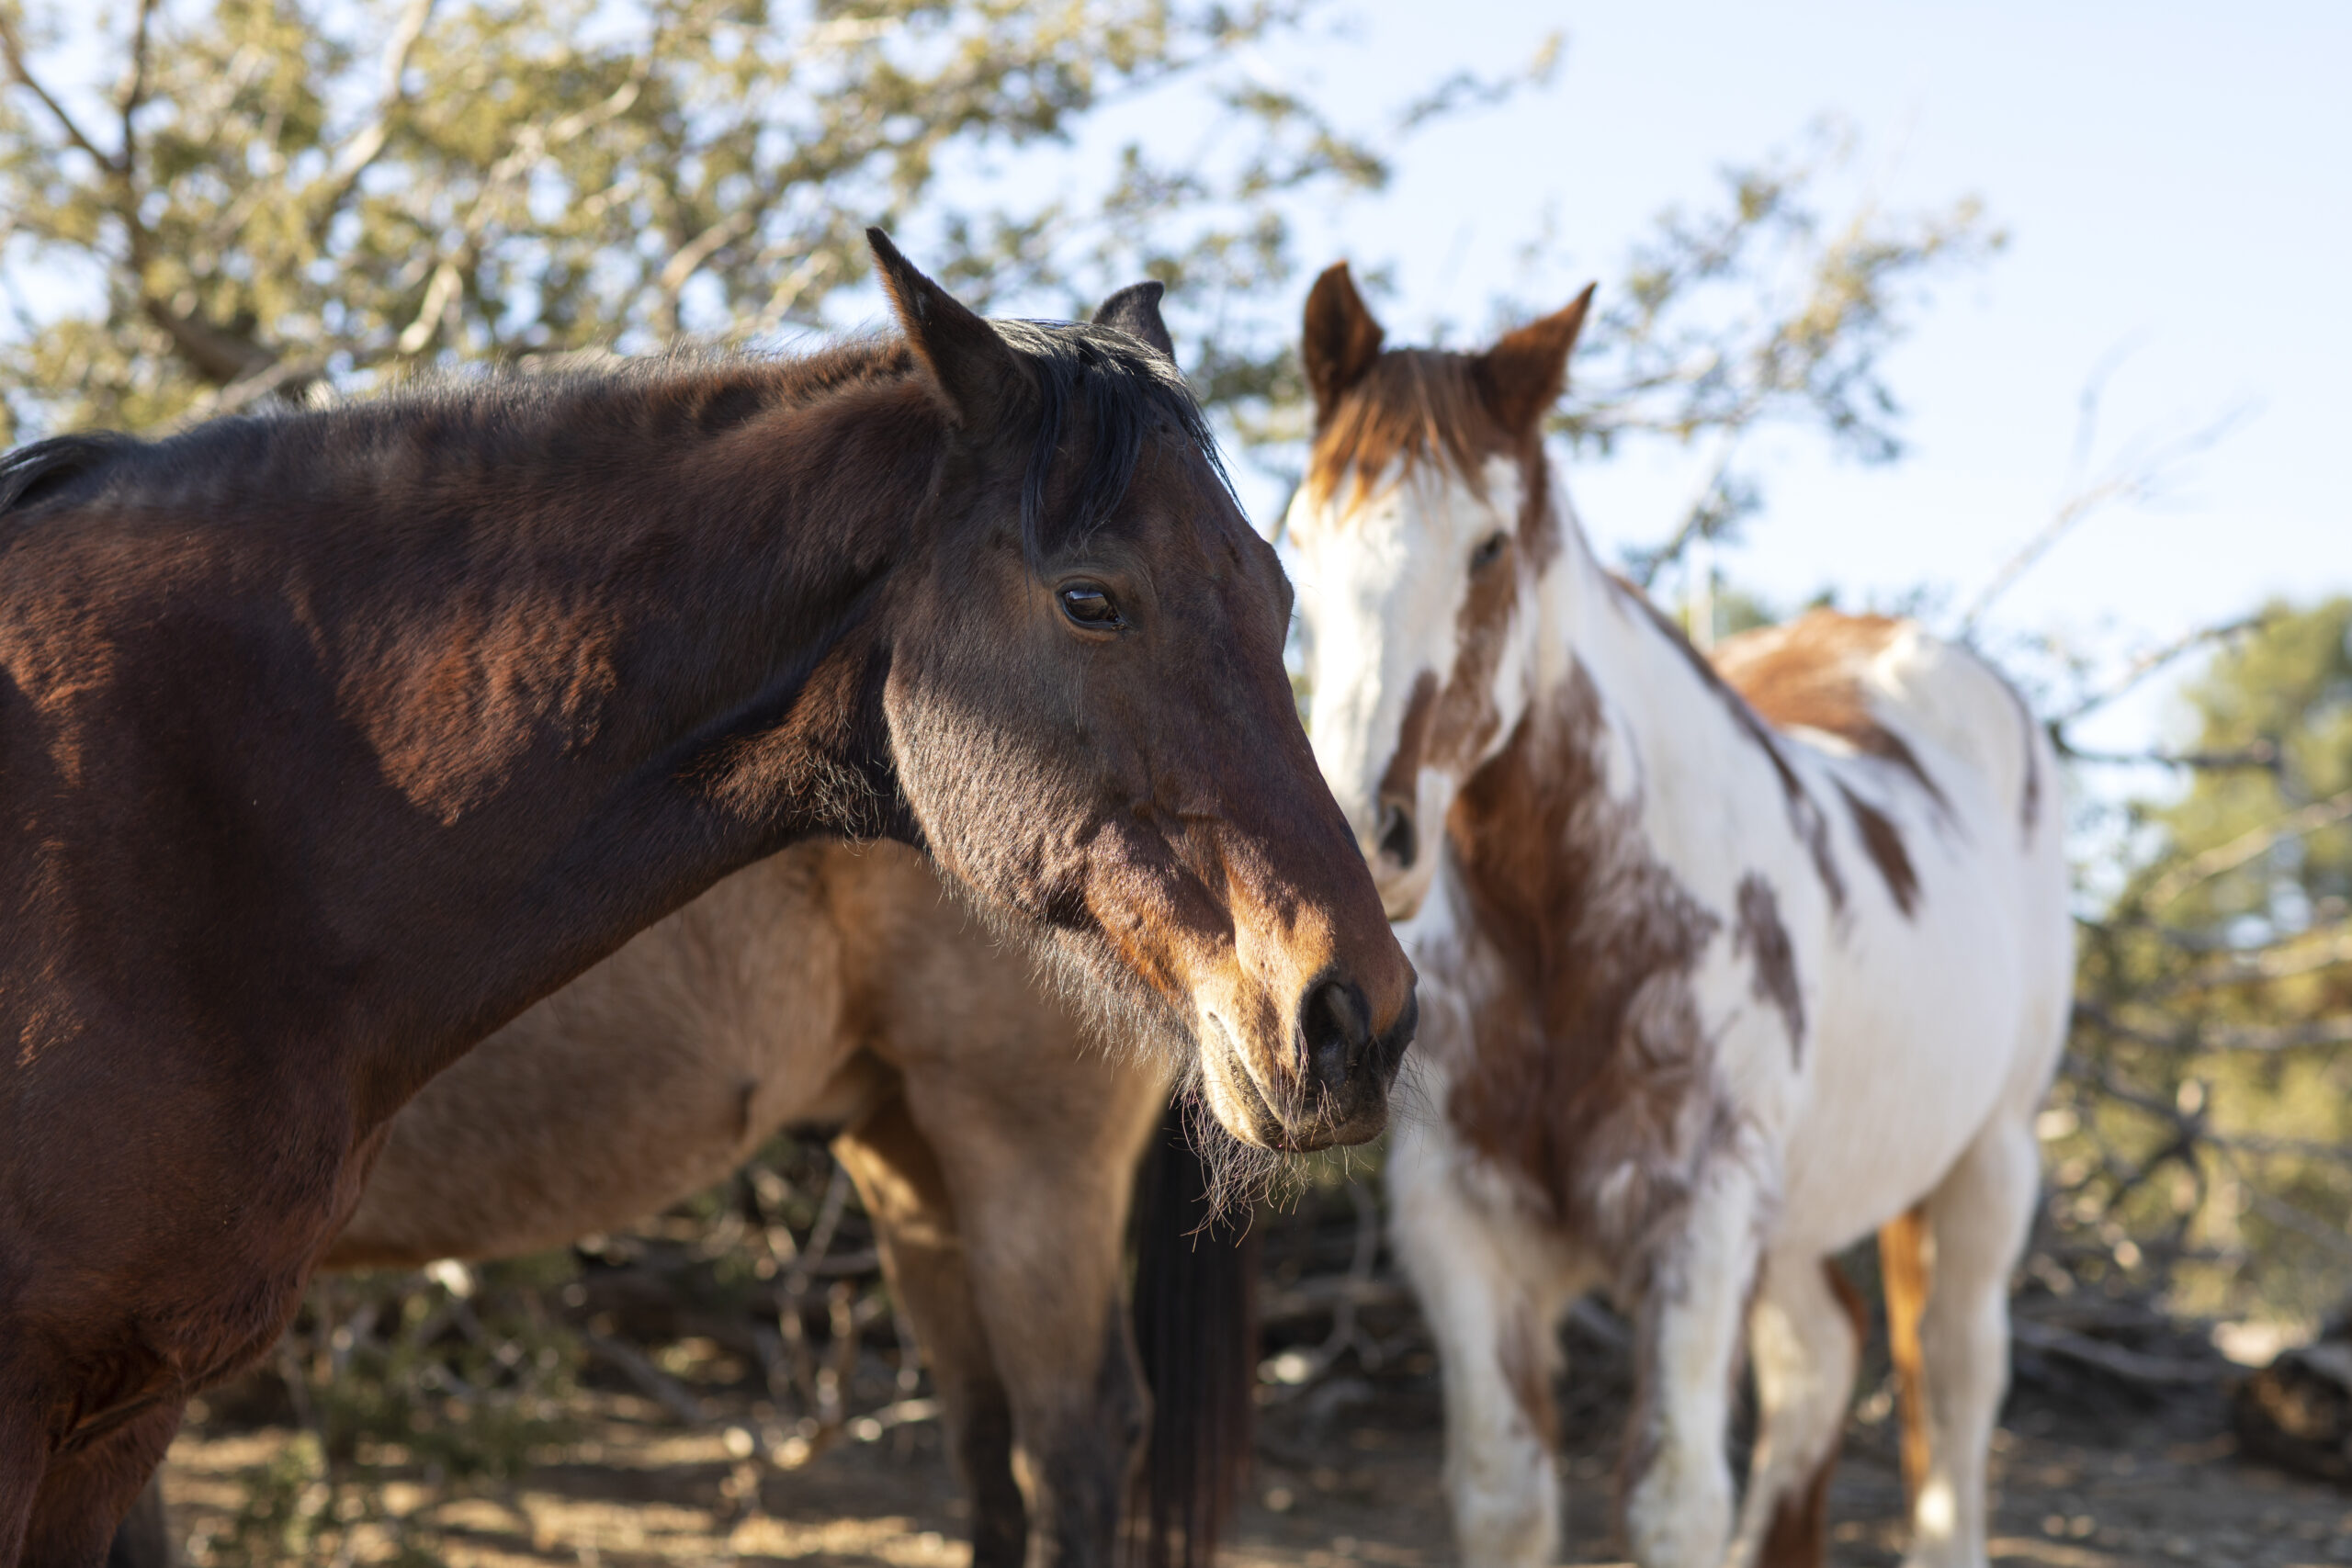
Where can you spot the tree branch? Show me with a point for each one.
(2137, 477)
(134, 89)
(13, 47)
(2246, 846)
(368, 142)
(2149, 663)
(2261, 755)
(1696, 516)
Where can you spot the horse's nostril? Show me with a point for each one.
(1336, 1031)
(1398, 841)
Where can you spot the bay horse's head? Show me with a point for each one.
(1422, 530)
(1091, 725)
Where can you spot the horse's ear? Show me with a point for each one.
(1341, 341)
(1134, 310)
(1523, 374)
(973, 368)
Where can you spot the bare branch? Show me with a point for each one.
(2132, 1366)
(368, 142)
(134, 87)
(13, 47)
(223, 358)
(2246, 846)
(2149, 663)
(2262, 756)
(247, 391)
(1467, 90)
(689, 258)
(2191, 1040)
(1696, 516)
(2138, 476)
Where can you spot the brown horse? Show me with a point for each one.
(839, 990)
(329, 741)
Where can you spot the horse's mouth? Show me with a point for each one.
(1250, 1108)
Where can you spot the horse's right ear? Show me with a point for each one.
(1341, 341)
(973, 368)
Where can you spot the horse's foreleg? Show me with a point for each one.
(1041, 1161)
(1979, 1216)
(1499, 1351)
(1804, 1335)
(86, 1492)
(898, 1175)
(1678, 1478)
(143, 1539)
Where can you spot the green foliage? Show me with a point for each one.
(280, 193)
(2208, 1128)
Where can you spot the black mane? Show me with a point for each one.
(1127, 388)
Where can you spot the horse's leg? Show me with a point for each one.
(1804, 1336)
(1979, 1216)
(1678, 1478)
(1497, 1352)
(85, 1493)
(23, 1451)
(914, 1218)
(144, 1538)
(1040, 1155)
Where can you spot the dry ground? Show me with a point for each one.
(1347, 1475)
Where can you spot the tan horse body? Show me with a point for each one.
(843, 990)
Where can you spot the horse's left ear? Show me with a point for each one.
(1134, 310)
(1524, 373)
(975, 370)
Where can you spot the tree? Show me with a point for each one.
(2211, 1107)
(280, 195)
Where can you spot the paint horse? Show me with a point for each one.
(1725, 965)
(329, 741)
(839, 991)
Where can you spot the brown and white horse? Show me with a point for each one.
(329, 741)
(841, 990)
(1725, 966)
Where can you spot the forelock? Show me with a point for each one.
(1414, 405)
(1125, 392)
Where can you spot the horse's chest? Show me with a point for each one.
(1590, 1071)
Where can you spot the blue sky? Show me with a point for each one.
(2176, 181)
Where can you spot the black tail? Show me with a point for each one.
(1196, 1324)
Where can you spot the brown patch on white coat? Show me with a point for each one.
(1591, 1076)
(1765, 940)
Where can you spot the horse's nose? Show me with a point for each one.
(1399, 840)
(1336, 1032)
(1343, 1055)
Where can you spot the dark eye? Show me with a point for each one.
(1089, 603)
(1488, 548)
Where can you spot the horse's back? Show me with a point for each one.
(1878, 685)
(1945, 986)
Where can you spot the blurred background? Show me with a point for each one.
(2025, 320)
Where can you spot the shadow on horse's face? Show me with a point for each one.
(1096, 733)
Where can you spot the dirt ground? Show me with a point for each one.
(1347, 1474)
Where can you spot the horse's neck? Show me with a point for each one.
(698, 687)
(1665, 717)
(1621, 708)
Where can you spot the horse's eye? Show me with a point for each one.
(1089, 603)
(1488, 548)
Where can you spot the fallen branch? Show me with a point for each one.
(2131, 1366)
